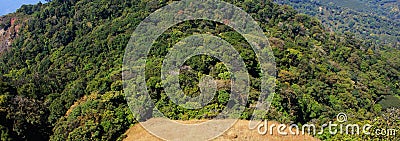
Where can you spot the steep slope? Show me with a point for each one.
(68, 49)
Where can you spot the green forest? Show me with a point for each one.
(62, 77)
(377, 22)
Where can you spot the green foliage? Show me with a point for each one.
(223, 97)
(377, 21)
(381, 127)
(69, 50)
(390, 101)
(99, 117)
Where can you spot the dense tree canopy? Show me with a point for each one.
(377, 22)
(62, 76)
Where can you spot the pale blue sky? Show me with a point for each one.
(9, 6)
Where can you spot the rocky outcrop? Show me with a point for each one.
(9, 30)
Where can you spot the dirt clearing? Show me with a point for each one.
(239, 132)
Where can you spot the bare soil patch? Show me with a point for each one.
(239, 132)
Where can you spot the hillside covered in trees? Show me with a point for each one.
(61, 78)
(377, 22)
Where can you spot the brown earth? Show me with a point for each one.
(8, 31)
(239, 132)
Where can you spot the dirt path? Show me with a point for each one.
(239, 132)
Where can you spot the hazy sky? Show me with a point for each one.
(9, 6)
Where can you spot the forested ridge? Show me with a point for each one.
(61, 78)
(375, 21)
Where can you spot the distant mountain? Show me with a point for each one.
(374, 20)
